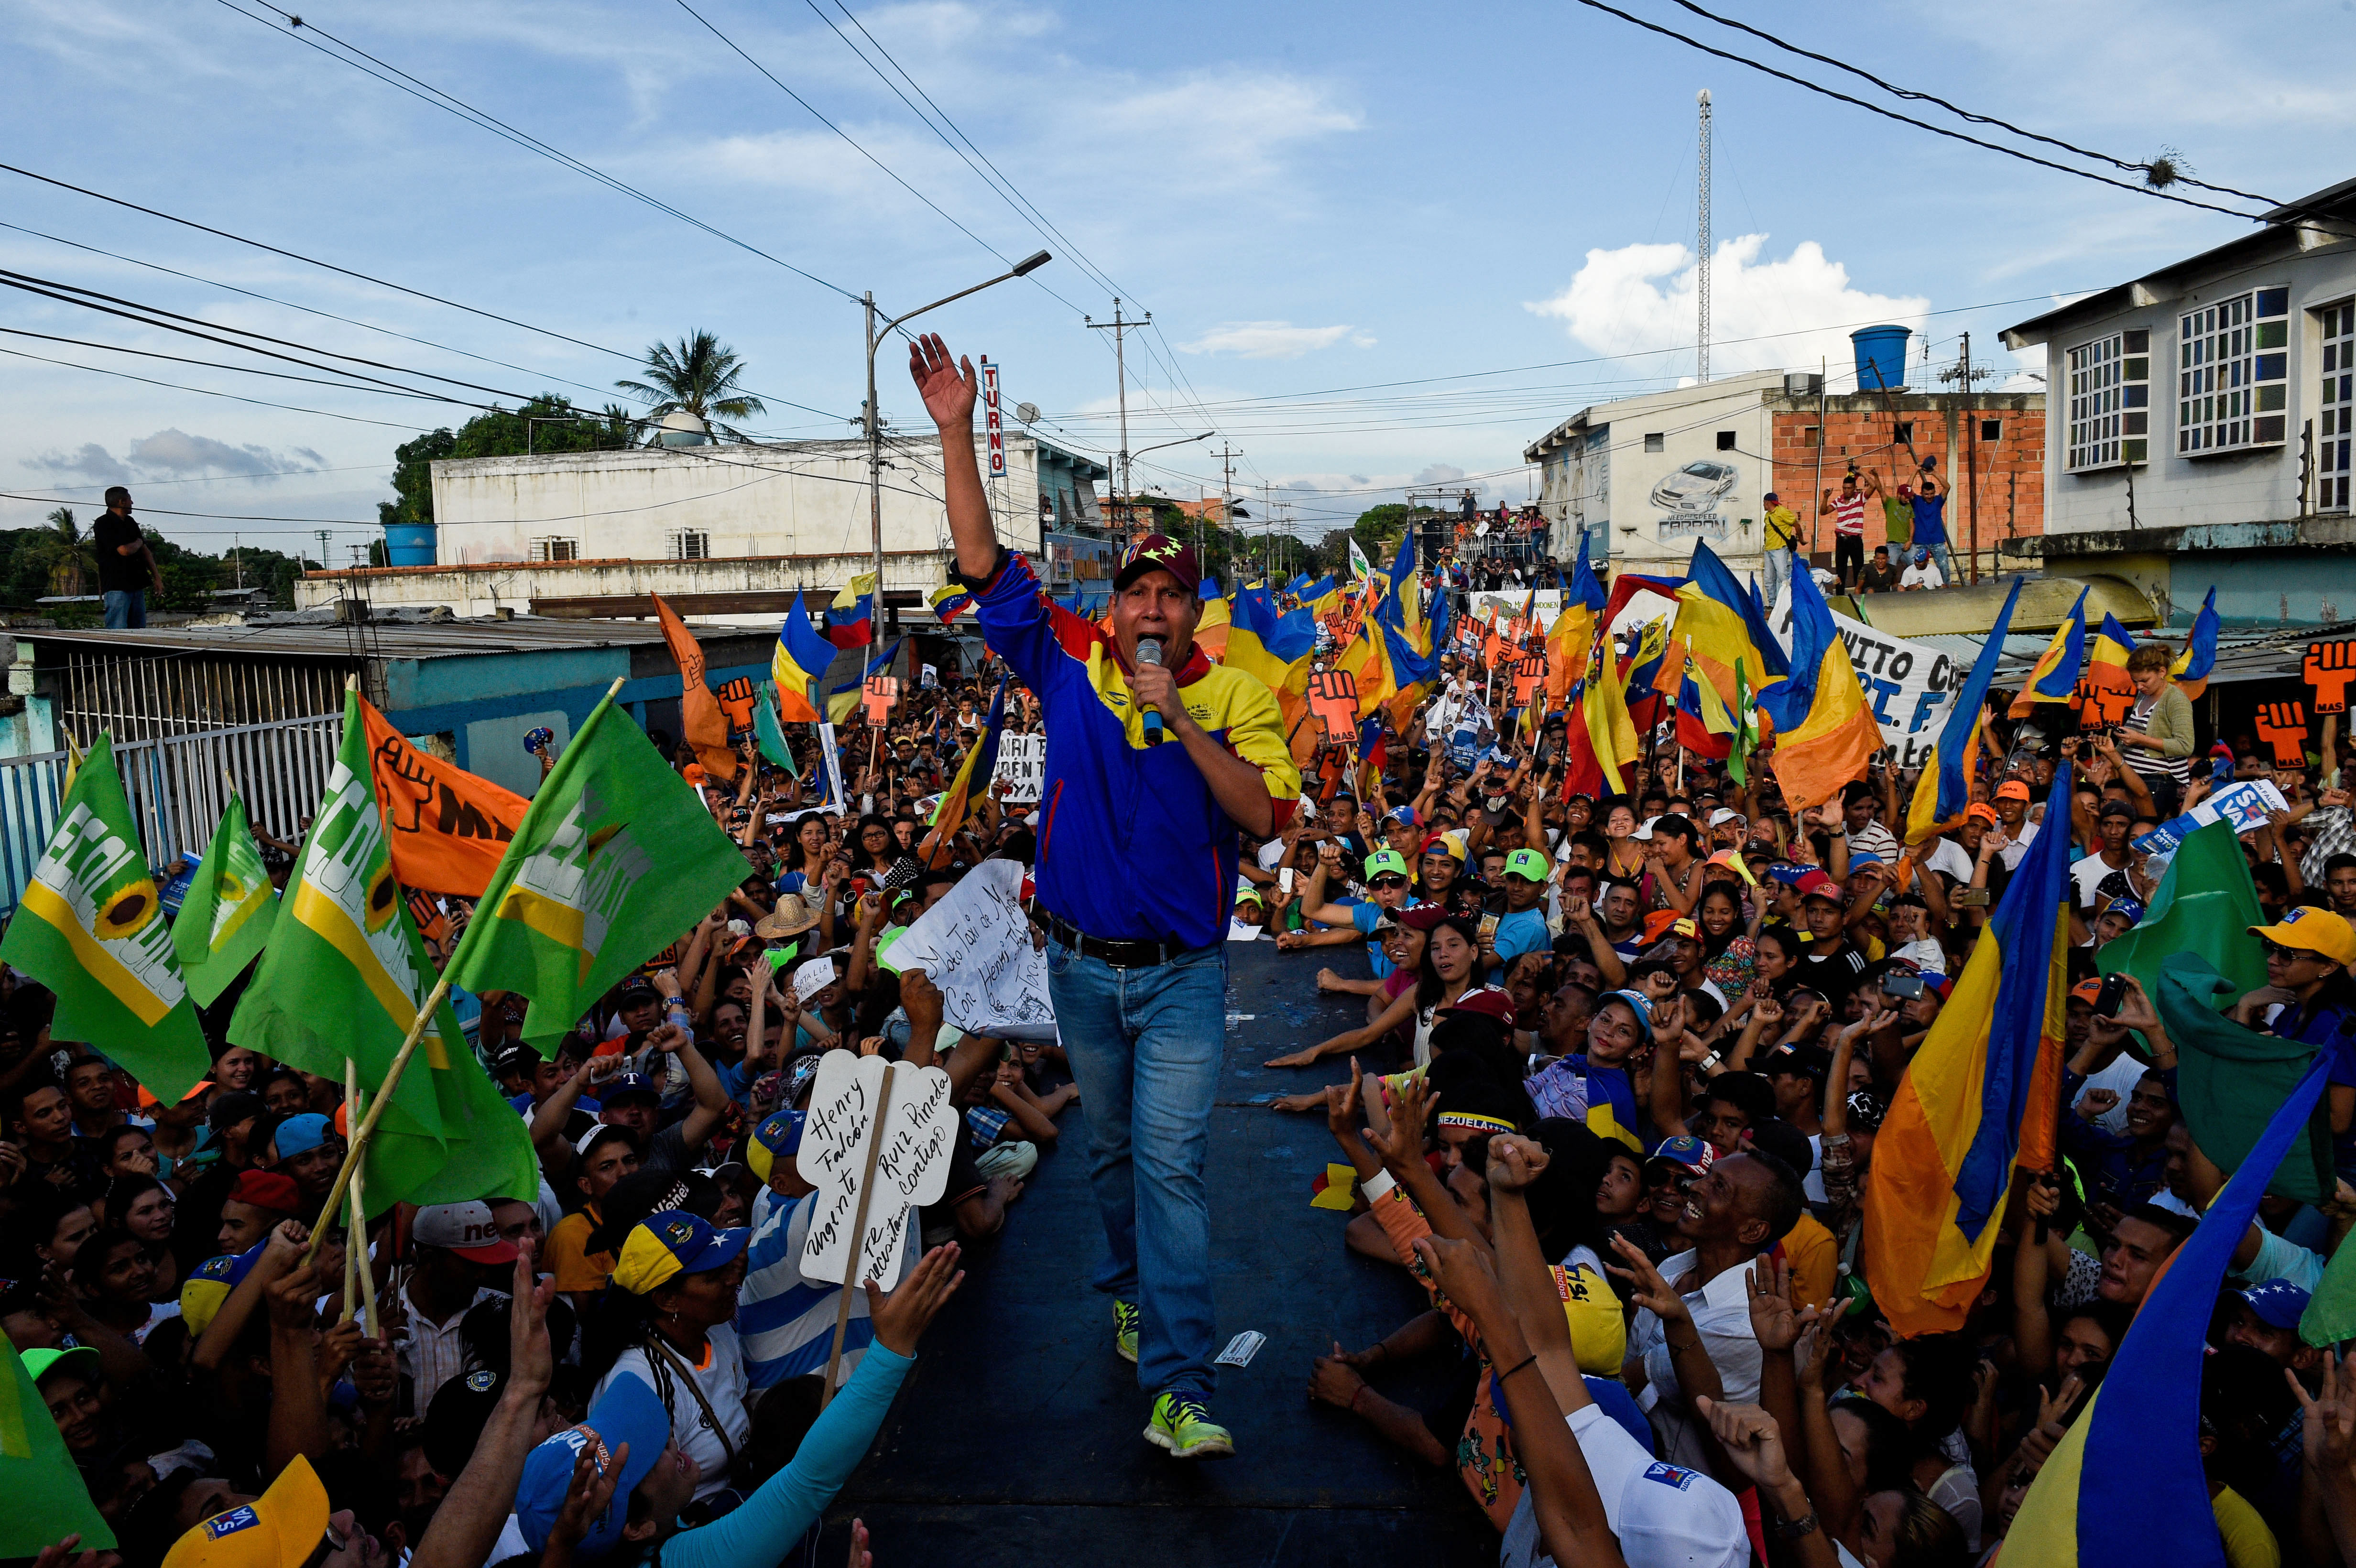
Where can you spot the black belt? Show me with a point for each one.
(1120, 954)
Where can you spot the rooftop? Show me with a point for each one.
(397, 634)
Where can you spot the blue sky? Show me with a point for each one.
(1313, 200)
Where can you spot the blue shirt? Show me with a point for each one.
(1522, 933)
(1930, 520)
(1364, 915)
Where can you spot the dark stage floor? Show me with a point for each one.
(1016, 1439)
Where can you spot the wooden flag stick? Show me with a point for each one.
(354, 1244)
(369, 1318)
(850, 1280)
(367, 1125)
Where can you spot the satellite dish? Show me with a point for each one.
(681, 428)
(1027, 413)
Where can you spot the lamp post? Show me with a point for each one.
(875, 334)
(1182, 441)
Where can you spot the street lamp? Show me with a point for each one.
(1182, 441)
(875, 334)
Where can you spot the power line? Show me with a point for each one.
(241, 370)
(427, 93)
(2123, 164)
(1909, 120)
(206, 391)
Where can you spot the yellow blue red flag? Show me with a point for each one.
(1944, 791)
(2055, 677)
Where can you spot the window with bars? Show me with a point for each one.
(2231, 358)
(689, 544)
(2339, 406)
(2110, 401)
(556, 549)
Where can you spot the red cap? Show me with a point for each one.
(1159, 552)
(1488, 1001)
(266, 1189)
(1817, 885)
(1657, 924)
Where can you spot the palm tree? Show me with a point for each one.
(698, 375)
(68, 554)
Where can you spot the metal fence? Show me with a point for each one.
(177, 786)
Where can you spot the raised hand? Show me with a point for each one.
(589, 1494)
(1514, 1162)
(2095, 1103)
(1752, 1441)
(1647, 1287)
(1774, 1321)
(1342, 1104)
(1402, 1141)
(901, 1317)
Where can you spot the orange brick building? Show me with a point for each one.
(1997, 437)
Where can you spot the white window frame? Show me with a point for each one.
(2335, 477)
(691, 544)
(2232, 361)
(554, 547)
(2107, 401)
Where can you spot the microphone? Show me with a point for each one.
(1149, 651)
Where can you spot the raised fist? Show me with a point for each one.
(2328, 669)
(2283, 725)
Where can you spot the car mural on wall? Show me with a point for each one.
(1688, 500)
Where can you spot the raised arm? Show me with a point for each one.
(949, 389)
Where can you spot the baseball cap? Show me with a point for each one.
(1732, 860)
(671, 1242)
(2116, 808)
(623, 1083)
(1816, 884)
(2012, 789)
(1487, 1000)
(209, 1283)
(1527, 864)
(1723, 815)
(628, 1413)
(604, 1132)
(465, 1229)
(1657, 924)
(1637, 1001)
(82, 1360)
(2278, 1304)
(1159, 552)
(2086, 990)
(1450, 843)
(633, 987)
(148, 1100)
(1644, 828)
(779, 1137)
(1385, 862)
(1694, 1154)
(1403, 813)
(233, 1108)
(283, 1528)
(2312, 930)
(1984, 812)
(1807, 1060)
(1424, 918)
(301, 1134)
(2127, 907)
(455, 1417)
(1939, 985)
(265, 1190)
(516, 1058)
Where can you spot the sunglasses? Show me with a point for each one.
(1389, 881)
(2291, 954)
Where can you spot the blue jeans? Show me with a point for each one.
(1939, 554)
(1775, 569)
(1145, 1046)
(126, 609)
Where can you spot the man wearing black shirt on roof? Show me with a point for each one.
(126, 567)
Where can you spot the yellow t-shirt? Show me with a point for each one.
(568, 1259)
(2248, 1542)
(1814, 1254)
(1782, 527)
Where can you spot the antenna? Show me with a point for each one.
(1702, 274)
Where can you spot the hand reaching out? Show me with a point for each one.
(1752, 1442)
(1647, 1289)
(1774, 1320)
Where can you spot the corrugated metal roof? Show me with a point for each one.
(378, 639)
(2241, 656)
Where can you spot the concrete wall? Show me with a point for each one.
(2173, 491)
(485, 590)
(793, 498)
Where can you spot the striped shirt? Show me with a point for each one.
(785, 1322)
(2152, 765)
(1848, 513)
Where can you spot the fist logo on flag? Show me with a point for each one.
(736, 699)
(1334, 697)
(881, 692)
(2328, 667)
(2283, 725)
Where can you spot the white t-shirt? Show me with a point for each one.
(2088, 875)
(1926, 575)
(2121, 1078)
(721, 1379)
(1951, 857)
(1925, 955)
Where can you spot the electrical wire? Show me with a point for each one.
(2122, 165)
(243, 369)
(1909, 120)
(206, 391)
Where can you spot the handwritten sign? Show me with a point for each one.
(1334, 697)
(974, 946)
(812, 978)
(879, 694)
(2283, 725)
(912, 1148)
(2328, 667)
(1023, 763)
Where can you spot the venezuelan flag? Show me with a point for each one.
(1211, 628)
(1826, 731)
(851, 619)
(1980, 1097)
(1703, 726)
(1374, 752)
(2199, 656)
(2126, 1485)
(1720, 627)
(972, 782)
(843, 700)
(949, 601)
(2107, 656)
(1600, 740)
(1945, 789)
(798, 665)
(2055, 678)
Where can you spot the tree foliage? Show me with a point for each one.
(698, 375)
(500, 433)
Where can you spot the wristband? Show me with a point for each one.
(1379, 1186)
(1712, 1060)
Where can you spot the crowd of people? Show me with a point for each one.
(1610, 1098)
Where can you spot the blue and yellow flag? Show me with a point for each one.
(1273, 648)
(2199, 656)
(1944, 791)
(1826, 731)
(2055, 677)
(1979, 1098)
(2126, 1485)
(799, 666)
(844, 700)
(972, 782)
(2107, 656)
(1720, 626)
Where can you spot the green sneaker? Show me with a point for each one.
(1183, 1424)
(1124, 1330)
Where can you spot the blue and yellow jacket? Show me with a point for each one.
(1132, 846)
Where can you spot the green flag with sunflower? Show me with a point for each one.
(225, 915)
(91, 929)
(345, 975)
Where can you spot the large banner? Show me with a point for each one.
(1908, 685)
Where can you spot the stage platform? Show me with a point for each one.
(1016, 1441)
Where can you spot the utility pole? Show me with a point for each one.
(874, 467)
(1701, 271)
(1227, 499)
(1964, 376)
(1118, 326)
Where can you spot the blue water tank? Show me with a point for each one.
(1880, 358)
(409, 544)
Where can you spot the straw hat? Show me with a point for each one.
(795, 914)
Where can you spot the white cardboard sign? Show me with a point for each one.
(975, 947)
(912, 1167)
(1023, 763)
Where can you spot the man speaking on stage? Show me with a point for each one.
(1156, 757)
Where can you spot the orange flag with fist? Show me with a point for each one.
(698, 710)
(447, 829)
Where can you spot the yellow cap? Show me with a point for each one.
(280, 1529)
(2312, 930)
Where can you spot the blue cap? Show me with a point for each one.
(1863, 858)
(670, 1243)
(1640, 1004)
(2278, 1303)
(629, 1413)
(623, 1083)
(301, 1134)
(2127, 907)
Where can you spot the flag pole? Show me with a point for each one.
(850, 1281)
(359, 1246)
(365, 1126)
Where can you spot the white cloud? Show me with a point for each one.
(1271, 339)
(1765, 314)
(174, 454)
(93, 463)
